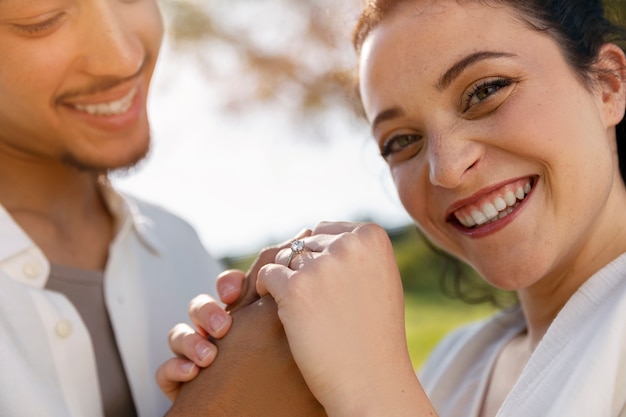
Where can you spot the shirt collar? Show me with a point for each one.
(14, 239)
(129, 217)
(24, 261)
(20, 258)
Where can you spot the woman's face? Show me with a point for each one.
(501, 155)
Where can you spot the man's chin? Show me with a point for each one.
(120, 166)
(128, 169)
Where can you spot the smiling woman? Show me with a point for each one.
(505, 154)
(482, 138)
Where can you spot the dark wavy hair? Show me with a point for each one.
(580, 27)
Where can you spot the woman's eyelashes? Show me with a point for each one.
(401, 146)
(480, 99)
(483, 90)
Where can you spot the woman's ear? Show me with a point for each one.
(611, 76)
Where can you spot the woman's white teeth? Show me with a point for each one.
(500, 207)
(478, 217)
(499, 203)
(112, 108)
(510, 198)
(489, 210)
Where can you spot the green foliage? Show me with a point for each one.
(420, 268)
(239, 262)
(429, 319)
(427, 277)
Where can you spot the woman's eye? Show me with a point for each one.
(401, 147)
(484, 90)
(39, 27)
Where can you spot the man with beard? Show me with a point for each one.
(91, 281)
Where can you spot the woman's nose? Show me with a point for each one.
(451, 157)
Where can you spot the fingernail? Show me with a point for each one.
(217, 321)
(203, 352)
(227, 289)
(187, 367)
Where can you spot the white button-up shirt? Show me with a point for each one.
(156, 265)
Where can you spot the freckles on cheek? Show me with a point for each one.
(414, 204)
(410, 190)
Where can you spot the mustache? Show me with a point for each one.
(101, 84)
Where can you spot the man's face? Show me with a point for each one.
(74, 78)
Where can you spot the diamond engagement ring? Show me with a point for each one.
(297, 247)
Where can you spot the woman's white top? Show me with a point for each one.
(577, 370)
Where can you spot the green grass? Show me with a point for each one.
(428, 319)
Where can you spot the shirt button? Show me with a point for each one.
(32, 269)
(63, 328)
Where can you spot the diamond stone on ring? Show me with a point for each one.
(297, 247)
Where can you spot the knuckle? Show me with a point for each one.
(178, 331)
(200, 300)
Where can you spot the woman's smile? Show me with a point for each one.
(489, 207)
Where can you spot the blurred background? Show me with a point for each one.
(255, 133)
(256, 136)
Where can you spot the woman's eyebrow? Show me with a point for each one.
(444, 81)
(464, 63)
(388, 114)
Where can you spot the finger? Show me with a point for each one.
(273, 280)
(248, 293)
(230, 285)
(209, 317)
(173, 373)
(267, 255)
(313, 245)
(335, 228)
(187, 343)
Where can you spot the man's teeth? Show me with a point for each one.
(112, 108)
(500, 207)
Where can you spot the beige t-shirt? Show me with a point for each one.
(84, 289)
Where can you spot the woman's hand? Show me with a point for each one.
(342, 307)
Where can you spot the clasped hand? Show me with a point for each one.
(340, 303)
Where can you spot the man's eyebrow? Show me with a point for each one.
(390, 113)
(465, 62)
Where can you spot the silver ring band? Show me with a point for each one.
(297, 247)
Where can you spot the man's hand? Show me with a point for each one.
(253, 375)
(195, 348)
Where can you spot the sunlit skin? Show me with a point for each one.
(74, 80)
(515, 112)
(59, 53)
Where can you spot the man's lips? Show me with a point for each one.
(107, 108)
(112, 111)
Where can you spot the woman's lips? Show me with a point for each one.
(493, 206)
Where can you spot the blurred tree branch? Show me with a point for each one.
(291, 56)
(293, 53)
